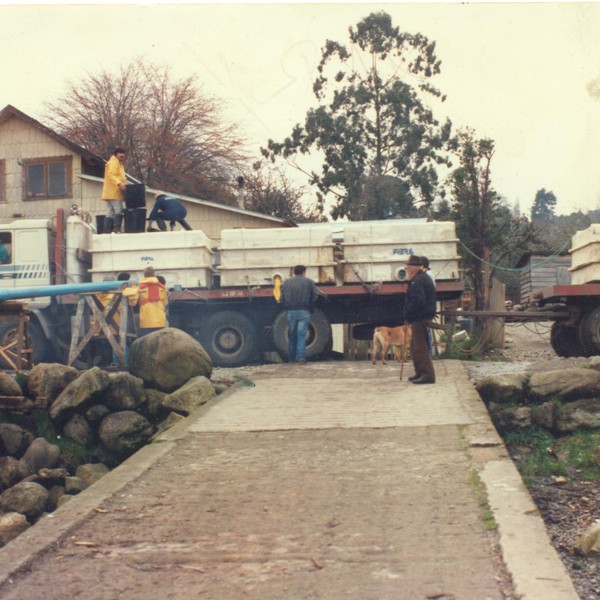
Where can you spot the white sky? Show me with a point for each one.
(517, 73)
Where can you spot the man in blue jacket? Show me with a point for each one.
(168, 208)
(419, 309)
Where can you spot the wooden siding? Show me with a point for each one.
(541, 272)
(20, 141)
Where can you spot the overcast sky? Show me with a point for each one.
(516, 73)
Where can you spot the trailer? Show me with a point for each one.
(225, 292)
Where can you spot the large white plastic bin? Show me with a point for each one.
(254, 256)
(585, 256)
(183, 258)
(378, 250)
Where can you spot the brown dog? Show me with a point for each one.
(397, 337)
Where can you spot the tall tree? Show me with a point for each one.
(476, 211)
(371, 124)
(174, 134)
(543, 206)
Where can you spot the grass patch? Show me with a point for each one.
(482, 500)
(581, 451)
(535, 457)
(45, 428)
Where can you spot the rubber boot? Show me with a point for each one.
(118, 220)
(161, 224)
(185, 224)
(108, 224)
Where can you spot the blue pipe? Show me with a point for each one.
(59, 290)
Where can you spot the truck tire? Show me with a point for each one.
(564, 340)
(230, 339)
(40, 346)
(318, 339)
(589, 332)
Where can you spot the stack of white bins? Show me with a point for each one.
(585, 256)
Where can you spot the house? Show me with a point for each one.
(41, 171)
(538, 272)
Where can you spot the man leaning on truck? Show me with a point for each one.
(113, 190)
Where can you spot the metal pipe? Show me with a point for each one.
(59, 290)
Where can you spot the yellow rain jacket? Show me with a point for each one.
(114, 174)
(152, 300)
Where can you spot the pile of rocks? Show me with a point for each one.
(105, 416)
(561, 401)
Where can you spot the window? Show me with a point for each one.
(5, 248)
(47, 177)
(2, 180)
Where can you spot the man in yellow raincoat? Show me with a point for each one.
(115, 184)
(152, 300)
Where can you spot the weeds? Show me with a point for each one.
(482, 500)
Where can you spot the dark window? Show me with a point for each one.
(5, 247)
(47, 177)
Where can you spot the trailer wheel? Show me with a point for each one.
(230, 339)
(589, 332)
(564, 340)
(40, 346)
(318, 338)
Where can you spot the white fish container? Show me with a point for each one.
(255, 256)
(585, 255)
(377, 251)
(183, 258)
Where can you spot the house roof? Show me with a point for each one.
(218, 205)
(10, 111)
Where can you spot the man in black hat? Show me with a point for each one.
(419, 308)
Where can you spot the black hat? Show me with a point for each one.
(425, 262)
(414, 261)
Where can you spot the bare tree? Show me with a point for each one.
(173, 133)
(269, 191)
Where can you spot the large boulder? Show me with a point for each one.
(12, 525)
(49, 380)
(14, 440)
(27, 498)
(503, 388)
(125, 392)
(10, 472)
(79, 430)
(168, 358)
(589, 541)
(190, 396)
(91, 472)
(582, 414)
(9, 386)
(564, 384)
(80, 394)
(41, 454)
(509, 418)
(125, 431)
(152, 408)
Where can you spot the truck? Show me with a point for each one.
(576, 306)
(225, 292)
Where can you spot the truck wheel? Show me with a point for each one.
(565, 342)
(40, 346)
(230, 339)
(589, 332)
(318, 338)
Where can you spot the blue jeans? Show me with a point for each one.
(298, 321)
